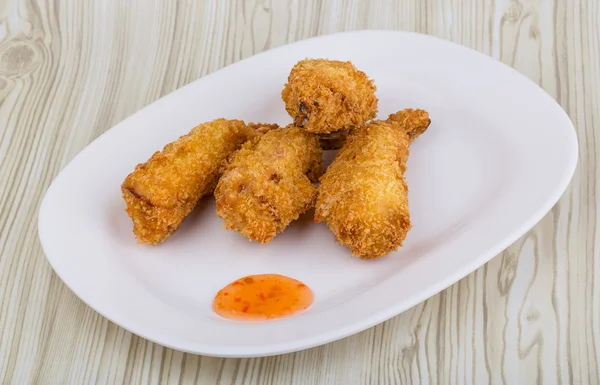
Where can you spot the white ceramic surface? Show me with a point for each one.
(496, 158)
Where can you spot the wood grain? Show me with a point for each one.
(69, 70)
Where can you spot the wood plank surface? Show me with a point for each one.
(69, 70)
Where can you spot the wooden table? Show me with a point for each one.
(69, 70)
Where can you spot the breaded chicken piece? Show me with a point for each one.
(363, 197)
(325, 96)
(161, 192)
(268, 184)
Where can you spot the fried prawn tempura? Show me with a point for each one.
(161, 192)
(325, 96)
(363, 197)
(268, 184)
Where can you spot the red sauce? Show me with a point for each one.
(262, 297)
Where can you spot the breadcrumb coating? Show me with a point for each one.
(161, 192)
(363, 196)
(324, 96)
(267, 184)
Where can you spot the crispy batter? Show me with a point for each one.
(324, 96)
(161, 192)
(363, 196)
(267, 184)
(414, 122)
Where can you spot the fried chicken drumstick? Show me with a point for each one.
(268, 184)
(161, 192)
(325, 96)
(363, 197)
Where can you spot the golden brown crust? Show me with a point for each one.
(267, 184)
(363, 197)
(414, 122)
(262, 128)
(324, 96)
(161, 192)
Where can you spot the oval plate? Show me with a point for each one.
(498, 155)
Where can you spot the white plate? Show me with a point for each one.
(498, 155)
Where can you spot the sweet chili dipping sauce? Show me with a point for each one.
(262, 297)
